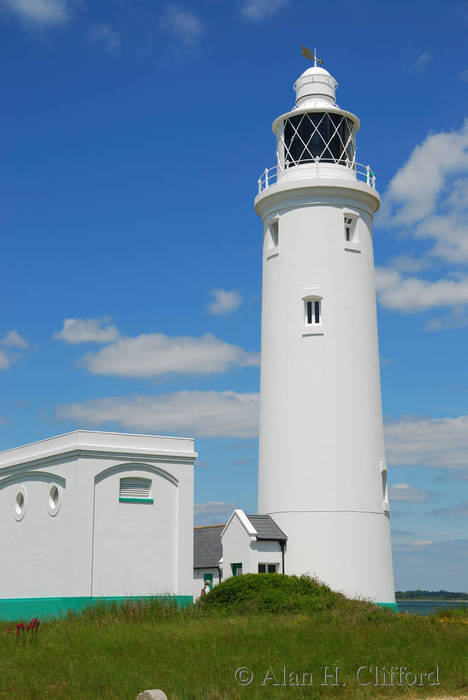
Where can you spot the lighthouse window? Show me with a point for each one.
(313, 312)
(348, 230)
(319, 136)
(273, 234)
(386, 505)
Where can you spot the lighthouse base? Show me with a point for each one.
(350, 551)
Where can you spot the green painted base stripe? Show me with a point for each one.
(392, 606)
(136, 500)
(27, 608)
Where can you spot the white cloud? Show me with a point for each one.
(413, 192)
(224, 301)
(405, 492)
(421, 62)
(457, 318)
(153, 354)
(428, 200)
(4, 361)
(11, 346)
(459, 474)
(428, 442)
(213, 512)
(199, 413)
(105, 35)
(421, 543)
(412, 294)
(261, 9)
(183, 23)
(15, 340)
(43, 13)
(460, 510)
(408, 263)
(87, 330)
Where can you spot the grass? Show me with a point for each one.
(258, 622)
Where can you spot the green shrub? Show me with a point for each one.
(277, 593)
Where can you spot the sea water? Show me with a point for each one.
(427, 607)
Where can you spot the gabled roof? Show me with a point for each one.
(207, 550)
(266, 528)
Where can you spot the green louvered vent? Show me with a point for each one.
(135, 489)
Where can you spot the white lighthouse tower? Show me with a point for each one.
(322, 471)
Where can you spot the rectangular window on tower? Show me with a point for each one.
(351, 241)
(312, 319)
(386, 504)
(313, 312)
(272, 238)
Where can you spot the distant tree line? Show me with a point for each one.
(430, 595)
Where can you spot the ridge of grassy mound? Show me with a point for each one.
(279, 593)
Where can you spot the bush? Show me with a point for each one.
(271, 593)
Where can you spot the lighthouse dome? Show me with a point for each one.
(315, 88)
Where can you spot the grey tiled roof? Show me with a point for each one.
(266, 528)
(207, 549)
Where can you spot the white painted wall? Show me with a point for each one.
(265, 552)
(241, 547)
(95, 545)
(321, 431)
(236, 547)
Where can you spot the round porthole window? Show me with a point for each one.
(20, 504)
(54, 500)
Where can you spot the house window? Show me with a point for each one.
(236, 569)
(267, 568)
(313, 312)
(273, 234)
(135, 490)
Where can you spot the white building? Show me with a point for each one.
(322, 471)
(91, 515)
(247, 544)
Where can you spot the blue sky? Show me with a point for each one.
(132, 136)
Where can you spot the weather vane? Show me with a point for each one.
(311, 56)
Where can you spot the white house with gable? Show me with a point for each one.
(247, 544)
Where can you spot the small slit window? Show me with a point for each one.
(348, 229)
(351, 241)
(313, 312)
(135, 490)
(273, 234)
(386, 505)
